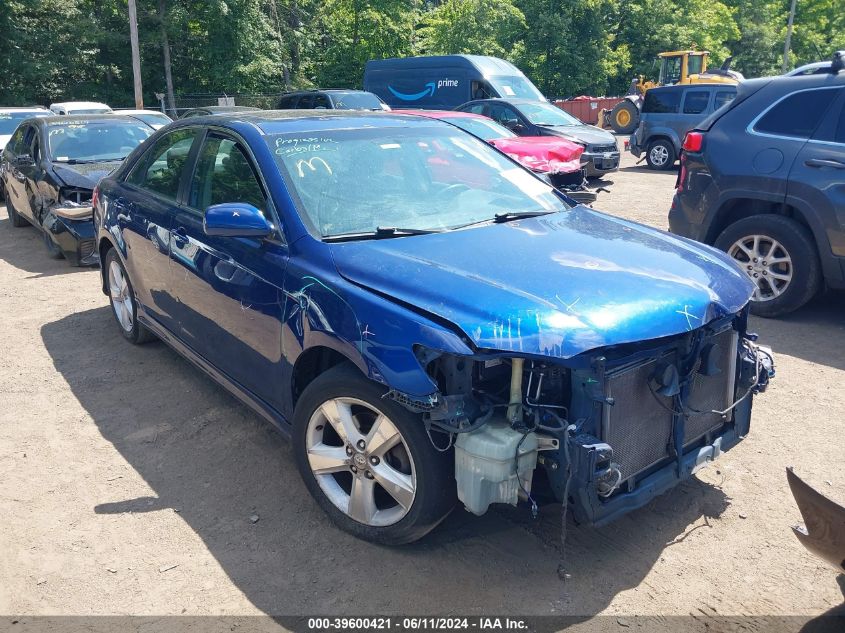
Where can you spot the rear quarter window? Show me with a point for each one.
(797, 115)
(723, 97)
(662, 101)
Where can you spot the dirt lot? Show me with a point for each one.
(128, 479)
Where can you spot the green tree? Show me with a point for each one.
(481, 27)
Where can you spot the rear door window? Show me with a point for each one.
(695, 101)
(322, 101)
(797, 115)
(662, 101)
(723, 97)
(306, 102)
(160, 169)
(288, 102)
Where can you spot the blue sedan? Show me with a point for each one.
(427, 320)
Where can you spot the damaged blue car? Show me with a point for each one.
(429, 322)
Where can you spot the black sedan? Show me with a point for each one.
(529, 117)
(49, 170)
(207, 110)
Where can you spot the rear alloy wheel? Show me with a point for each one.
(368, 461)
(779, 256)
(122, 298)
(661, 154)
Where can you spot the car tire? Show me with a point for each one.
(624, 117)
(791, 275)
(352, 488)
(14, 218)
(661, 154)
(123, 301)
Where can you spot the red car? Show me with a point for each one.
(557, 158)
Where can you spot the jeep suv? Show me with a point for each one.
(668, 114)
(763, 178)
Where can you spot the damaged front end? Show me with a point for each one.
(604, 431)
(70, 225)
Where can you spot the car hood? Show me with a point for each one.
(543, 154)
(86, 175)
(586, 134)
(555, 285)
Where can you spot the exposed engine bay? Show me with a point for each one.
(605, 431)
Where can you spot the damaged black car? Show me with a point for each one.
(49, 170)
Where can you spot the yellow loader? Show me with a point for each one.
(676, 67)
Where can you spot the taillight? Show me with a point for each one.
(693, 142)
(682, 174)
(95, 195)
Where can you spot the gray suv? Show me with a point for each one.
(669, 113)
(764, 179)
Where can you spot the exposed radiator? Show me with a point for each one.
(639, 424)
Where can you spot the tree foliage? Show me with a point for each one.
(74, 49)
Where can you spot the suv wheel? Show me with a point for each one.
(368, 461)
(780, 257)
(661, 154)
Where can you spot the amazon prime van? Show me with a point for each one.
(445, 82)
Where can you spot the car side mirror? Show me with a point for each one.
(24, 160)
(235, 219)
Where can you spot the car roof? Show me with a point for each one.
(281, 121)
(24, 109)
(78, 119)
(444, 114)
(80, 104)
(131, 112)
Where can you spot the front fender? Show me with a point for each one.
(375, 333)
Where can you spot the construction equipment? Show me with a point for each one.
(676, 67)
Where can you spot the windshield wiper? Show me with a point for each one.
(87, 161)
(516, 215)
(381, 232)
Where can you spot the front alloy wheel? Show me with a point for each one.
(368, 461)
(361, 461)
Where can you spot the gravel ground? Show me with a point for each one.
(128, 481)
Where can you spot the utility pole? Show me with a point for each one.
(136, 55)
(788, 43)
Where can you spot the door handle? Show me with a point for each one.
(824, 162)
(180, 236)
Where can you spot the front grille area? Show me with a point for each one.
(715, 392)
(86, 247)
(599, 149)
(638, 426)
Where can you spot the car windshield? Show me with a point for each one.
(9, 120)
(153, 118)
(486, 130)
(547, 114)
(355, 182)
(95, 141)
(356, 101)
(516, 87)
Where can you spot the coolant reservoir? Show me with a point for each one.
(486, 468)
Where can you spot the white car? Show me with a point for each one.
(154, 118)
(80, 107)
(11, 117)
(816, 68)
